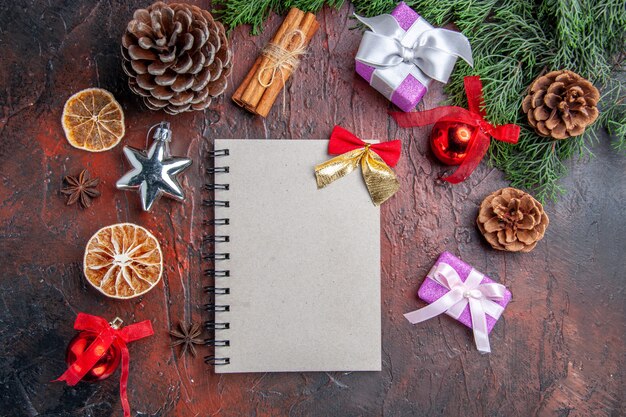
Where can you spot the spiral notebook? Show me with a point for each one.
(296, 270)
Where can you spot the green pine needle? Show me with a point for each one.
(311, 5)
(513, 42)
(233, 13)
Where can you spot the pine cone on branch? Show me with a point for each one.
(512, 220)
(176, 57)
(561, 104)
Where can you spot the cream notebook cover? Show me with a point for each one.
(303, 265)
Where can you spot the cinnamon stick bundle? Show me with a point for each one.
(276, 63)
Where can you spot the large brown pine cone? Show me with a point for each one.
(176, 57)
(561, 104)
(512, 220)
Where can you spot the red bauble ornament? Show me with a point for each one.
(95, 352)
(107, 364)
(461, 136)
(449, 141)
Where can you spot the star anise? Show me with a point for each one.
(188, 336)
(81, 189)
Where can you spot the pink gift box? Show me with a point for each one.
(411, 90)
(431, 290)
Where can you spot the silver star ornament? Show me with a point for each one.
(154, 172)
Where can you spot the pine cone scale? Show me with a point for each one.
(136, 52)
(214, 69)
(145, 43)
(168, 57)
(162, 93)
(176, 56)
(198, 61)
(156, 103)
(145, 81)
(183, 64)
(200, 97)
(140, 29)
(182, 83)
(177, 30)
(201, 80)
(553, 120)
(551, 100)
(493, 225)
(182, 16)
(538, 98)
(527, 223)
(541, 114)
(157, 67)
(528, 237)
(186, 42)
(199, 39)
(181, 99)
(559, 131)
(218, 87)
(127, 41)
(166, 79)
(142, 15)
(139, 67)
(557, 88)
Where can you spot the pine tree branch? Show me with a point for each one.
(513, 42)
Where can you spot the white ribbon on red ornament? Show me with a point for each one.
(480, 298)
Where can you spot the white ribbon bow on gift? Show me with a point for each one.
(434, 51)
(479, 297)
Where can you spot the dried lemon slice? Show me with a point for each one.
(123, 261)
(93, 120)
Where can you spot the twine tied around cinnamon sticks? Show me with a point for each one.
(261, 87)
(281, 59)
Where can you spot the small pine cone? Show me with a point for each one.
(176, 57)
(512, 220)
(561, 104)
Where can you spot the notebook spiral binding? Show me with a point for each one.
(214, 257)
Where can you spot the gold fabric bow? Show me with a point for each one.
(380, 180)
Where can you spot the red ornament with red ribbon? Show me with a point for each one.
(460, 136)
(95, 353)
(449, 141)
(106, 365)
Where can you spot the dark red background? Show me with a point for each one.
(558, 350)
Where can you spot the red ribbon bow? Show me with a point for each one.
(475, 116)
(342, 141)
(107, 336)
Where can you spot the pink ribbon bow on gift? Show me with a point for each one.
(480, 298)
